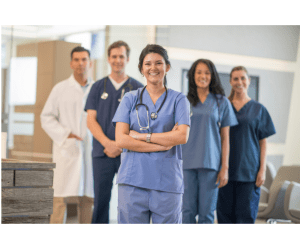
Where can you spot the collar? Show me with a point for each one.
(76, 83)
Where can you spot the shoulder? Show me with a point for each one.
(256, 103)
(99, 82)
(133, 95)
(176, 94)
(97, 86)
(260, 108)
(257, 106)
(220, 97)
(177, 97)
(224, 101)
(137, 84)
(61, 85)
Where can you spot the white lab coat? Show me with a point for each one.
(62, 114)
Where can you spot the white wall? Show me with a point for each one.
(292, 149)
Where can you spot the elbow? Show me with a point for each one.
(185, 137)
(42, 119)
(88, 124)
(184, 140)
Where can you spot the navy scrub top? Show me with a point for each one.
(203, 149)
(106, 108)
(160, 171)
(255, 124)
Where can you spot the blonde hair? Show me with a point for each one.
(237, 68)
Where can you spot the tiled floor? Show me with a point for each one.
(72, 217)
(73, 220)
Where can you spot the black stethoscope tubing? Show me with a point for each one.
(153, 114)
(104, 95)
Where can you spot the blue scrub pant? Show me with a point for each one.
(104, 169)
(200, 195)
(138, 205)
(238, 202)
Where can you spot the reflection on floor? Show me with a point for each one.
(72, 217)
(73, 220)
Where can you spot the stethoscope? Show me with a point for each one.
(153, 114)
(105, 94)
(219, 121)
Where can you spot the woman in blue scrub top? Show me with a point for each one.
(238, 201)
(205, 156)
(151, 124)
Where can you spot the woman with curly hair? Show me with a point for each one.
(206, 154)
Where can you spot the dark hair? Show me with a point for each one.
(237, 68)
(118, 44)
(79, 49)
(215, 85)
(154, 48)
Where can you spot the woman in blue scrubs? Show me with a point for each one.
(205, 156)
(238, 201)
(151, 124)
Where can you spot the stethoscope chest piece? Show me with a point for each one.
(104, 95)
(153, 115)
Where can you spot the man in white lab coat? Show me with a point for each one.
(63, 118)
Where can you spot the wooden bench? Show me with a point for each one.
(27, 193)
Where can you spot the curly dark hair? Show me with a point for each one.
(215, 85)
(154, 48)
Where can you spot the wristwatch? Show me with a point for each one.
(148, 137)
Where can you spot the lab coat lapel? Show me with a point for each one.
(73, 82)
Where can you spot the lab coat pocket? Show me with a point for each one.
(70, 149)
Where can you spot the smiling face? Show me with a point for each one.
(202, 76)
(118, 59)
(80, 62)
(239, 81)
(154, 68)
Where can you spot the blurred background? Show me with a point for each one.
(36, 57)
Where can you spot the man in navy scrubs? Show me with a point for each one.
(101, 105)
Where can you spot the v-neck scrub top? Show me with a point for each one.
(160, 171)
(106, 108)
(203, 149)
(255, 124)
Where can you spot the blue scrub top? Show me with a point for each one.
(106, 108)
(203, 149)
(156, 170)
(255, 124)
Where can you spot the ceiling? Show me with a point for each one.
(44, 31)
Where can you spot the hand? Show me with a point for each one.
(111, 149)
(222, 177)
(74, 136)
(260, 179)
